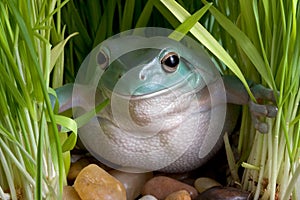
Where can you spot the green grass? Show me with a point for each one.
(277, 24)
(32, 165)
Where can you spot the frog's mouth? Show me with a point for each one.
(190, 84)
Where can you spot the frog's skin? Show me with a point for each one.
(177, 107)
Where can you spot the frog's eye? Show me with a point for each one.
(102, 60)
(170, 62)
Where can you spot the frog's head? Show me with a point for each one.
(135, 66)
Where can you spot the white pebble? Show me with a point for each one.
(148, 197)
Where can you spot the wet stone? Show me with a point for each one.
(133, 182)
(179, 195)
(69, 193)
(162, 186)
(225, 193)
(185, 177)
(202, 184)
(95, 183)
(76, 167)
(148, 197)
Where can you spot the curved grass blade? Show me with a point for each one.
(186, 26)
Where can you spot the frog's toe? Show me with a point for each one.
(263, 110)
(263, 95)
(261, 126)
(271, 111)
(258, 111)
(261, 92)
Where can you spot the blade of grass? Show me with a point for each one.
(165, 12)
(127, 15)
(7, 172)
(58, 50)
(231, 159)
(186, 26)
(39, 176)
(106, 25)
(83, 119)
(145, 15)
(94, 15)
(71, 125)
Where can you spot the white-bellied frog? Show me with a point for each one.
(168, 108)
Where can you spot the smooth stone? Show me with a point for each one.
(225, 193)
(69, 193)
(95, 183)
(133, 182)
(185, 177)
(76, 167)
(162, 186)
(202, 184)
(179, 195)
(148, 197)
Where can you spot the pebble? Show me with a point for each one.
(148, 197)
(76, 167)
(69, 193)
(185, 177)
(95, 183)
(162, 186)
(225, 193)
(133, 182)
(202, 184)
(179, 195)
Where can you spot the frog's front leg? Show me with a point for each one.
(237, 94)
(68, 100)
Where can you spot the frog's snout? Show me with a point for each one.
(146, 71)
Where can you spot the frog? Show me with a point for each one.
(169, 106)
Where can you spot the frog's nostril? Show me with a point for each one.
(142, 77)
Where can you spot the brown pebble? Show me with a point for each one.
(95, 183)
(225, 193)
(70, 193)
(179, 195)
(76, 167)
(162, 186)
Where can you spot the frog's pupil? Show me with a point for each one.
(172, 61)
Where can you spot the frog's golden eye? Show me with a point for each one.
(102, 60)
(170, 62)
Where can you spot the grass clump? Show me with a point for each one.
(32, 162)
